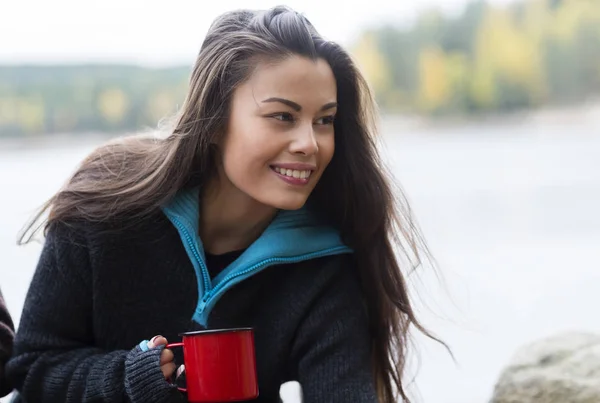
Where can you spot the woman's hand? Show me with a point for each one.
(167, 363)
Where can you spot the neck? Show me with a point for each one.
(231, 220)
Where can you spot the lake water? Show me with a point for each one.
(510, 212)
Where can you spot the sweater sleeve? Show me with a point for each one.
(331, 350)
(54, 358)
(6, 342)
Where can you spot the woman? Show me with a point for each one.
(6, 342)
(265, 205)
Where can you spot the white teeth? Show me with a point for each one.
(293, 173)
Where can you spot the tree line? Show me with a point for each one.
(487, 59)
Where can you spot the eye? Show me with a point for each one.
(326, 120)
(283, 117)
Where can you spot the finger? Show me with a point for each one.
(166, 356)
(168, 369)
(157, 341)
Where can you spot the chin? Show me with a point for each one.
(295, 203)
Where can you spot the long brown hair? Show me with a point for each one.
(132, 176)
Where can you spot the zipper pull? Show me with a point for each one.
(204, 301)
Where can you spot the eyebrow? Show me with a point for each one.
(297, 107)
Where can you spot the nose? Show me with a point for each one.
(304, 141)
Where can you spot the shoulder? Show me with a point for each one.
(332, 268)
(338, 278)
(6, 324)
(322, 270)
(330, 277)
(81, 248)
(78, 233)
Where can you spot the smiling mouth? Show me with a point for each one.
(293, 173)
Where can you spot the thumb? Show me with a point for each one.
(157, 341)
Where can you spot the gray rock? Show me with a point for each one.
(560, 369)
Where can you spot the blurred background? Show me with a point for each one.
(490, 121)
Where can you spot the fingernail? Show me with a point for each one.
(154, 338)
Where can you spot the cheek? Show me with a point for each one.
(326, 149)
(238, 162)
(244, 158)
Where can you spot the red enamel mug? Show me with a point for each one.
(220, 365)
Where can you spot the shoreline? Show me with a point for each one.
(58, 140)
(582, 113)
(585, 114)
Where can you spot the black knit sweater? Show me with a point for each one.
(95, 296)
(6, 342)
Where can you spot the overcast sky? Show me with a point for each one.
(170, 32)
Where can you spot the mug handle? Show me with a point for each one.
(169, 346)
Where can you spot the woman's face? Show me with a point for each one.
(280, 136)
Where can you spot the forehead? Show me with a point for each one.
(296, 78)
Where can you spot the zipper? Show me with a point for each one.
(192, 244)
(210, 292)
(267, 262)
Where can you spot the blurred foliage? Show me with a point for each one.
(487, 59)
(490, 58)
(64, 99)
